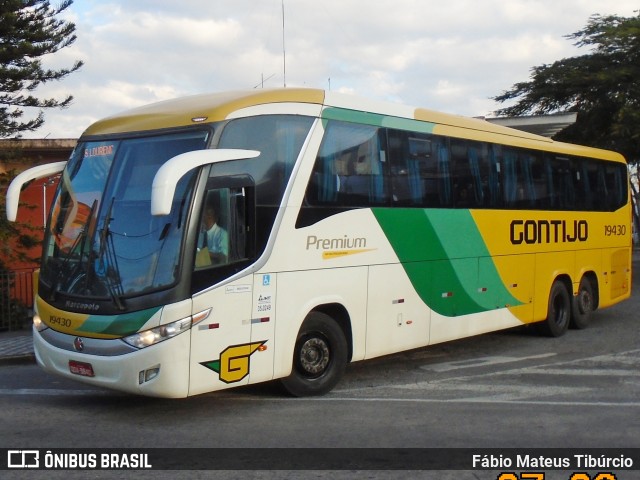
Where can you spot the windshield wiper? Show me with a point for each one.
(108, 261)
(86, 232)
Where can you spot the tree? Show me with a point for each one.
(602, 86)
(15, 238)
(29, 31)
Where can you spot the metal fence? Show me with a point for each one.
(16, 299)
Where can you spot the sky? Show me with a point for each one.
(446, 55)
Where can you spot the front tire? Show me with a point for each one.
(558, 311)
(319, 357)
(583, 304)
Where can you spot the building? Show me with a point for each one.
(545, 125)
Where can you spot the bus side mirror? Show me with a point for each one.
(170, 173)
(15, 187)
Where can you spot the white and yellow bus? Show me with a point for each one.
(227, 239)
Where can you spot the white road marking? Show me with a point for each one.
(51, 391)
(588, 372)
(494, 387)
(480, 362)
(470, 400)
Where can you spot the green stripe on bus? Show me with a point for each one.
(366, 118)
(446, 259)
(118, 325)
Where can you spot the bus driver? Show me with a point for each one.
(214, 237)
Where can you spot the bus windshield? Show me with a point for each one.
(102, 241)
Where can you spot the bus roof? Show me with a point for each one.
(186, 111)
(206, 108)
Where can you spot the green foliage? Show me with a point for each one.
(601, 86)
(24, 236)
(28, 32)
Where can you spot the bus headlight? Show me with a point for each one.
(38, 323)
(158, 334)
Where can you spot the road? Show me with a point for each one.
(506, 389)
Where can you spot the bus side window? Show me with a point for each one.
(412, 169)
(539, 181)
(442, 153)
(564, 181)
(589, 170)
(510, 177)
(461, 174)
(350, 168)
(615, 179)
(494, 189)
(529, 187)
(223, 234)
(470, 173)
(478, 172)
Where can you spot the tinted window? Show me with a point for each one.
(350, 168)
(365, 166)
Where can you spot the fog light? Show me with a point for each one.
(148, 374)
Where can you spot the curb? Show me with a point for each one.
(23, 359)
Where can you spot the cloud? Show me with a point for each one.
(451, 56)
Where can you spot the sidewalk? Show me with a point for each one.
(17, 347)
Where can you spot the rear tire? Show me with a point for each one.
(558, 311)
(319, 357)
(583, 304)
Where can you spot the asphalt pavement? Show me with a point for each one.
(17, 346)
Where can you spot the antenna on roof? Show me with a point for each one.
(284, 52)
(261, 84)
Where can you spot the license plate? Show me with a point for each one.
(81, 368)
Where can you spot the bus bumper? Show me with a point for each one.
(161, 370)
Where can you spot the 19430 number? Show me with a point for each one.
(615, 230)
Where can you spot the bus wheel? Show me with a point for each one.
(319, 357)
(558, 312)
(583, 304)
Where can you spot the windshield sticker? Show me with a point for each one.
(237, 289)
(99, 151)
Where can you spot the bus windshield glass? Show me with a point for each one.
(102, 241)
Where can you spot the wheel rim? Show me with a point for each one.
(314, 356)
(585, 301)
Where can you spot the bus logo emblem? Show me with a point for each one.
(233, 364)
(78, 344)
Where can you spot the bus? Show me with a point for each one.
(228, 239)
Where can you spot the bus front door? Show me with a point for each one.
(221, 343)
